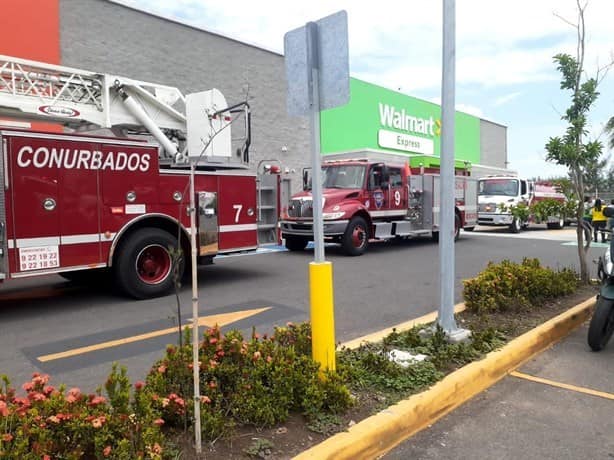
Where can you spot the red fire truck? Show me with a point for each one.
(83, 205)
(372, 195)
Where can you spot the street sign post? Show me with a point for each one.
(318, 77)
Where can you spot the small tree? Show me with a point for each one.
(571, 150)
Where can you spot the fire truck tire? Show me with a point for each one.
(515, 226)
(355, 240)
(556, 225)
(144, 265)
(296, 243)
(457, 228)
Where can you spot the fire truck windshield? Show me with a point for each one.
(506, 187)
(343, 176)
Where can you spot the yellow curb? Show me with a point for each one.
(379, 433)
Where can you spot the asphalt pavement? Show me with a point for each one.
(557, 406)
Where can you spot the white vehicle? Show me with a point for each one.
(496, 194)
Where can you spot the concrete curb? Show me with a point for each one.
(379, 433)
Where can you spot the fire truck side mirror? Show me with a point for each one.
(306, 179)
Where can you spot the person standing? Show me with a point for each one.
(610, 222)
(599, 220)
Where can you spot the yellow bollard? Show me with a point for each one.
(322, 314)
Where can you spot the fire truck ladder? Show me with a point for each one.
(80, 100)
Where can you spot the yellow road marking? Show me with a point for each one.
(221, 319)
(565, 386)
(407, 325)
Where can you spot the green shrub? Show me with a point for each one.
(512, 286)
(255, 382)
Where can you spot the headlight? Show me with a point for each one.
(333, 215)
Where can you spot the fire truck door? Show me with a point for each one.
(34, 199)
(386, 193)
(237, 210)
(397, 198)
(79, 208)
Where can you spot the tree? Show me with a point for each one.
(609, 129)
(572, 150)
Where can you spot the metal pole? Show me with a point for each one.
(195, 365)
(314, 130)
(321, 298)
(446, 196)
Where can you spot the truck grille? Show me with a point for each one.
(300, 208)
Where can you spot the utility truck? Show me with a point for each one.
(498, 194)
(372, 195)
(85, 205)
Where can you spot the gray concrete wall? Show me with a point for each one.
(493, 144)
(106, 37)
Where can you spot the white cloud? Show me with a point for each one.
(466, 108)
(498, 43)
(502, 100)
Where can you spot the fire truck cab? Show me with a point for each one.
(498, 193)
(372, 195)
(84, 205)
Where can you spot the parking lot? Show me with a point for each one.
(557, 406)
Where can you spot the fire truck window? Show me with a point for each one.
(375, 178)
(396, 180)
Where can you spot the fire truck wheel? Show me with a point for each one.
(457, 229)
(296, 243)
(515, 226)
(556, 225)
(355, 240)
(144, 265)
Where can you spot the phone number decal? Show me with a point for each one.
(39, 257)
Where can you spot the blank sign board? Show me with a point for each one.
(332, 63)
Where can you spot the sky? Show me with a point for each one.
(504, 67)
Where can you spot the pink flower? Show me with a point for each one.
(46, 457)
(99, 421)
(205, 399)
(162, 369)
(156, 449)
(97, 400)
(36, 396)
(212, 340)
(165, 402)
(139, 385)
(106, 451)
(48, 390)
(269, 359)
(70, 399)
(40, 379)
(74, 392)
(53, 419)
(256, 355)
(159, 422)
(4, 410)
(28, 386)
(7, 437)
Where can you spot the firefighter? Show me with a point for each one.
(599, 220)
